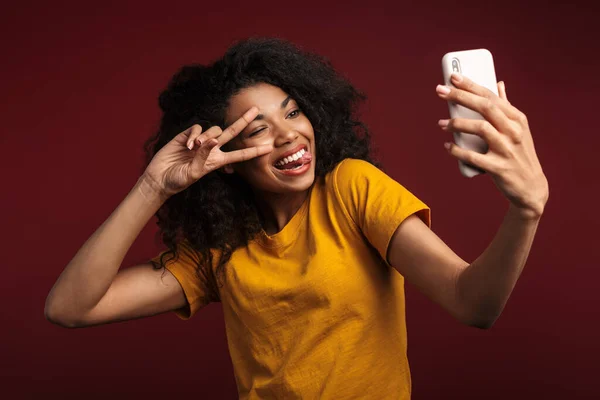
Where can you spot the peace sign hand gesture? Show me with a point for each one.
(511, 159)
(193, 154)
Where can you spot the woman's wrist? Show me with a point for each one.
(151, 190)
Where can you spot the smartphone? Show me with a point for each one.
(477, 65)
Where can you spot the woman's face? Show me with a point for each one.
(282, 124)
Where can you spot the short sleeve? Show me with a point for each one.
(375, 202)
(194, 277)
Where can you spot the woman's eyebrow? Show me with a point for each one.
(284, 104)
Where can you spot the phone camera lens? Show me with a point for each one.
(455, 65)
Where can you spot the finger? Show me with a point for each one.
(191, 134)
(182, 137)
(470, 157)
(247, 154)
(199, 160)
(207, 147)
(464, 83)
(481, 128)
(212, 133)
(484, 106)
(502, 91)
(232, 130)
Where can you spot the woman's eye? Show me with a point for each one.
(294, 113)
(255, 133)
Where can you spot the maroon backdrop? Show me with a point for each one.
(80, 85)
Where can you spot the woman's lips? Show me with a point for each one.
(304, 167)
(305, 159)
(289, 153)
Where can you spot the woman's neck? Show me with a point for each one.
(278, 209)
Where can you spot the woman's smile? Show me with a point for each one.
(290, 167)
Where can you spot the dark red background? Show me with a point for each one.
(80, 85)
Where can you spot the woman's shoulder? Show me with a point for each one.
(353, 164)
(352, 171)
(187, 252)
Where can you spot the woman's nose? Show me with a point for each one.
(285, 135)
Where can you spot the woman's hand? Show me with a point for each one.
(511, 160)
(192, 154)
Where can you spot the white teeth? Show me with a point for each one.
(291, 158)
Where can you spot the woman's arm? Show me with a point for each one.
(477, 293)
(474, 294)
(91, 290)
(486, 284)
(89, 275)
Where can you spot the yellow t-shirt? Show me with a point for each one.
(315, 311)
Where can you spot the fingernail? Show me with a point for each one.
(190, 145)
(441, 89)
(447, 145)
(443, 122)
(456, 77)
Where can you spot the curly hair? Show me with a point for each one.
(218, 212)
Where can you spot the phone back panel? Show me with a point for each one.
(477, 65)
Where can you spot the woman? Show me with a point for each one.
(269, 203)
